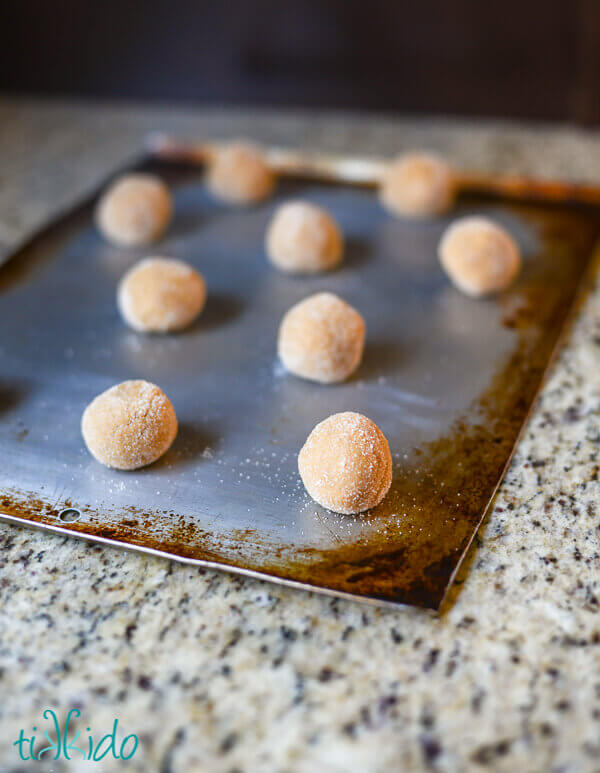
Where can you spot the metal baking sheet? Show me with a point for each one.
(450, 381)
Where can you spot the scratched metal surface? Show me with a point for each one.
(449, 380)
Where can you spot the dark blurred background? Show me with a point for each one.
(517, 58)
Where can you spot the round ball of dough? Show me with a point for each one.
(346, 464)
(303, 238)
(159, 295)
(417, 185)
(322, 339)
(129, 426)
(479, 256)
(239, 174)
(135, 210)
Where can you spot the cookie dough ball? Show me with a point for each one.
(479, 256)
(159, 295)
(239, 174)
(303, 238)
(322, 339)
(417, 185)
(345, 464)
(135, 210)
(129, 426)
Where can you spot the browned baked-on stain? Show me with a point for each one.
(413, 542)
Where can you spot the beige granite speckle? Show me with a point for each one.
(219, 673)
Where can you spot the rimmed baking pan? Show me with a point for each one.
(450, 380)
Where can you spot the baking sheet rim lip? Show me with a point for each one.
(216, 565)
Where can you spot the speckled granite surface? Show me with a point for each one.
(217, 673)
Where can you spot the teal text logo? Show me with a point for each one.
(53, 742)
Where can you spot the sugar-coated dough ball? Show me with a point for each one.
(159, 295)
(239, 174)
(130, 425)
(303, 238)
(322, 339)
(417, 185)
(346, 464)
(479, 256)
(135, 210)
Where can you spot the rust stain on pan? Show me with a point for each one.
(414, 541)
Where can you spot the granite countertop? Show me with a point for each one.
(213, 672)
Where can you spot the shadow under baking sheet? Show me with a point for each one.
(449, 380)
